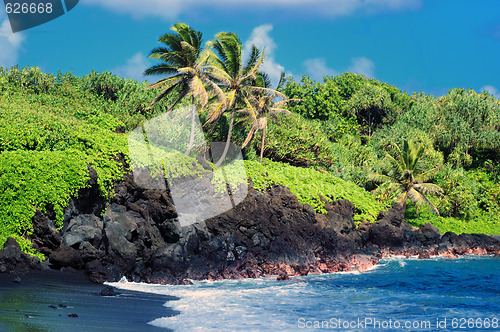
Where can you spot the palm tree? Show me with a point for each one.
(238, 79)
(261, 105)
(185, 64)
(402, 175)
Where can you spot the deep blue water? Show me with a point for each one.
(405, 294)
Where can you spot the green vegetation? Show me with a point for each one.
(323, 140)
(311, 186)
(50, 132)
(184, 62)
(402, 175)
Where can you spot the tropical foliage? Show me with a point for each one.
(349, 137)
(184, 63)
(261, 105)
(239, 80)
(313, 187)
(401, 174)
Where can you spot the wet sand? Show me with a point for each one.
(45, 300)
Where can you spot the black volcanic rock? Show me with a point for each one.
(268, 233)
(66, 257)
(109, 291)
(428, 234)
(13, 260)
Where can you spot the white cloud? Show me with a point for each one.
(332, 8)
(10, 43)
(491, 90)
(260, 37)
(317, 68)
(134, 68)
(362, 66)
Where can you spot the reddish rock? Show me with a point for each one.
(282, 276)
(424, 255)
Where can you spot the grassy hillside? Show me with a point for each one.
(52, 127)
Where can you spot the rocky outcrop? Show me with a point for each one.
(13, 260)
(138, 235)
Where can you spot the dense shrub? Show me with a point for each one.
(464, 125)
(310, 186)
(297, 141)
(32, 180)
(47, 140)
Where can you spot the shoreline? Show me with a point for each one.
(48, 300)
(362, 263)
(49, 296)
(269, 233)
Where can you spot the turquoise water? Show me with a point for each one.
(399, 294)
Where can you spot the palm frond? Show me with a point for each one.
(250, 135)
(271, 92)
(160, 69)
(172, 80)
(415, 196)
(252, 71)
(274, 110)
(252, 60)
(428, 188)
(397, 167)
(426, 176)
(286, 101)
(380, 178)
(165, 93)
(198, 90)
(281, 81)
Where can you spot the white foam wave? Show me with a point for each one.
(230, 305)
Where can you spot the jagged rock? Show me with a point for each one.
(109, 291)
(82, 228)
(424, 255)
(172, 257)
(390, 230)
(89, 252)
(13, 260)
(45, 234)
(282, 276)
(394, 215)
(120, 231)
(428, 234)
(140, 237)
(66, 257)
(260, 240)
(100, 271)
(339, 217)
(385, 234)
(169, 231)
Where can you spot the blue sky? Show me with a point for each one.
(416, 45)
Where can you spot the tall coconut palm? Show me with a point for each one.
(261, 105)
(227, 68)
(401, 174)
(184, 63)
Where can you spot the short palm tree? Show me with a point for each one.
(227, 68)
(261, 105)
(401, 175)
(184, 63)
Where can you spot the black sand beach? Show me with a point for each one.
(45, 300)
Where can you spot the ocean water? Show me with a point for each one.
(398, 294)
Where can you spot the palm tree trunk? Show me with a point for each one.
(226, 148)
(403, 202)
(191, 137)
(262, 144)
